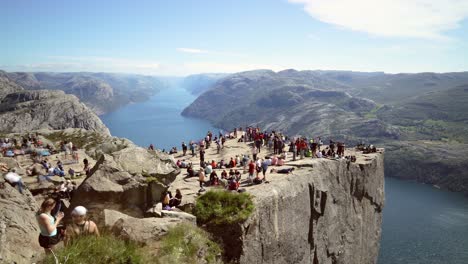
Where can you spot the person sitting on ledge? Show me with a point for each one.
(282, 171)
(176, 200)
(151, 147)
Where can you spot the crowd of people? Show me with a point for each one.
(267, 149)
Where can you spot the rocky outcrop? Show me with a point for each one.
(145, 231)
(7, 85)
(121, 181)
(18, 226)
(102, 92)
(26, 111)
(326, 212)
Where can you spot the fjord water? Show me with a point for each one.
(421, 224)
(158, 121)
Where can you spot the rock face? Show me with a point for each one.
(328, 212)
(26, 111)
(102, 92)
(7, 85)
(120, 181)
(18, 226)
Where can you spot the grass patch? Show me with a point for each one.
(222, 207)
(186, 243)
(103, 249)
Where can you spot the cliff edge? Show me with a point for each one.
(329, 211)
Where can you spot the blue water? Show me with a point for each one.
(421, 224)
(158, 121)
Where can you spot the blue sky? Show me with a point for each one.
(180, 37)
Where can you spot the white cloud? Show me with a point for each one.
(391, 18)
(190, 50)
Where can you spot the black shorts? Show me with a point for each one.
(49, 241)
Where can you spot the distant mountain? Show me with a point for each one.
(7, 85)
(102, 92)
(399, 111)
(198, 83)
(26, 111)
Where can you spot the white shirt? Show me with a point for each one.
(12, 177)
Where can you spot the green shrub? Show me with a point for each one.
(222, 207)
(186, 243)
(96, 250)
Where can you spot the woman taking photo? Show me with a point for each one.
(49, 236)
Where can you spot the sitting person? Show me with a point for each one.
(231, 173)
(282, 171)
(179, 163)
(176, 200)
(224, 174)
(233, 185)
(214, 180)
(213, 164)
(166, 200)
(190, 172)
(258, 179)
(208, 169)
(15, 180)
(232, 163)
(80, 226)
(237, 175)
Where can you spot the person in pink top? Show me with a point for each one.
(274, 161)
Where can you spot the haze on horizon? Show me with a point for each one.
(186, 37)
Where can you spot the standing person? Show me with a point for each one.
(201, 178)
(87, 167)
(192, 148)
(265, 164)
(49, 236)
(80, 225)
(184, 148)
(251, 171)
(202, 157)
(254, 152)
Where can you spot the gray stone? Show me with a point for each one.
(179, 215)
(19, 230)
(145, 231)
(325, 214)
(26, 111)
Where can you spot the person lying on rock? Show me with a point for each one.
(15, 180)
(282, 171)
(49, 235)
(80, 226)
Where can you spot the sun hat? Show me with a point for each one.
(79, 211)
